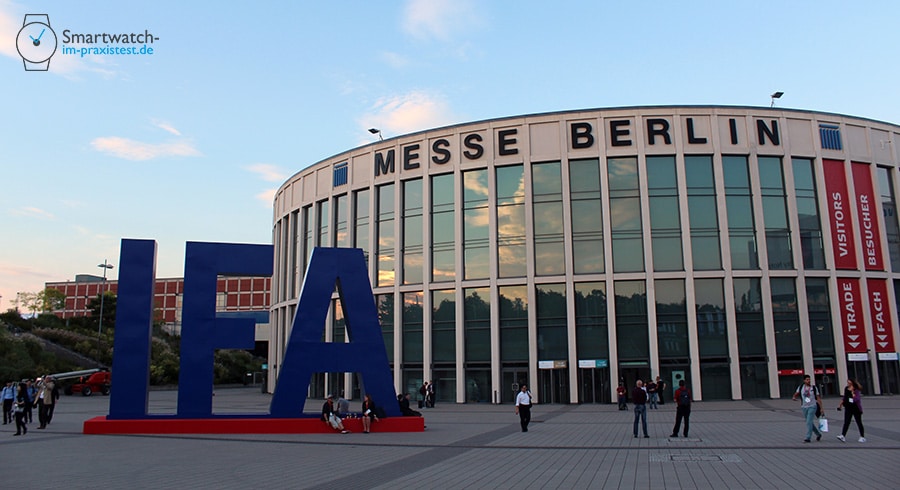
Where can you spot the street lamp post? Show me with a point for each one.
(106, 266)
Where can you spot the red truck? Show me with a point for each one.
(97, 382)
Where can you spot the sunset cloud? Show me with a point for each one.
(137, 150)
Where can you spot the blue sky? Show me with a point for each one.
(190, 143)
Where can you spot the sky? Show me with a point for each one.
(191, 142)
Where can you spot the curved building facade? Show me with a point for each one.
(733, 247)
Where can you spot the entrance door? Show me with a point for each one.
(630, 374)
(510, 381)
(859, 370)
(593, 384)
(554, 385)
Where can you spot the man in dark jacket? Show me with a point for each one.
(683, 409)
(639, 398)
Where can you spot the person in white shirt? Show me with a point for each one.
(523, 406)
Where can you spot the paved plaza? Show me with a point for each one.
(733, 444)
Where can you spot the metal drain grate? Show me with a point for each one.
(694, 458)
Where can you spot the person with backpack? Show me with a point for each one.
(682, 409)
(811, 403)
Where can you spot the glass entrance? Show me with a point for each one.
(630, 373)
(510, 381)
(889, 375)
(859, 370)
(593, 385)
(554, 385)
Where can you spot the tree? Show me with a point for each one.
(109, 308)
(51, 300)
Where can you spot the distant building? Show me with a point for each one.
(236, 296)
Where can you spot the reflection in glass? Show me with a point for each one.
(384, 253)
(549, 252)
(739, 205)
(702, 212)
(787, 319)
(412, 327)
(513, 323)
(476, 239)
(511, 221)
(477, 321)
(412, 232)
(631, 320)
(591, 324)
(671, 318)
(889, 211)
(818, 304)
(443, 326)
(385, 304)
(749, 316)
(587, 216)
(361, 237)
(552, 338)
(341, 230)
(323, 220)
(712, 331)
(625, 215)
(774, 201)
(443, 229)
(665, 220)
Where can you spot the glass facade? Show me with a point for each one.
(500, 253)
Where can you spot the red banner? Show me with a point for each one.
(842, 240)
(851, 315)
(866, 206)
(882, 328)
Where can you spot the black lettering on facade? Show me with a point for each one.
(615, 132)
(439, 147)
(383, 166)
(410, 153)
(505, 141)
(732, 125)
(692, 139)
(472, 142)
(762, 131)
(582, 135)
(658, 127)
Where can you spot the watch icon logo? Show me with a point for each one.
(36, 42)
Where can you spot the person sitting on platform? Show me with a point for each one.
(405, 410)
(330, 417)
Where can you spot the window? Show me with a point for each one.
(549, 252)
(587, 216)
(385, 248)
(631, 320)
(513, 323)
(511, 221)
(778, 233)
(625, 215)
(412, 232)
(702, 211)
(739, 205)
(552, 337)
(665, 220)
(476, 240)
(443, 228)
(808, 214)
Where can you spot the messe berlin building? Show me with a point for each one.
(733, 247)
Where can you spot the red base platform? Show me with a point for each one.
(102, 425)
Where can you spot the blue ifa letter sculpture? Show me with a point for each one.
(203, 331)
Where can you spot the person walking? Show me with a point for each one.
(639, 398)
(809, 401)
(682, 409)
(523, 406)
(9, 396)
(21, 401)
(429, 397)
(852, 401)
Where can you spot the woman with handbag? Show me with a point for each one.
(852, 401)
(368, 413)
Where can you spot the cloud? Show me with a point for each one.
(267, 172)
(267, 196)
(137, 150)
(32, 212)
(439, 19)
(166, 127)
(407, 113)
(394, 60)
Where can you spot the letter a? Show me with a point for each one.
(307, 354)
